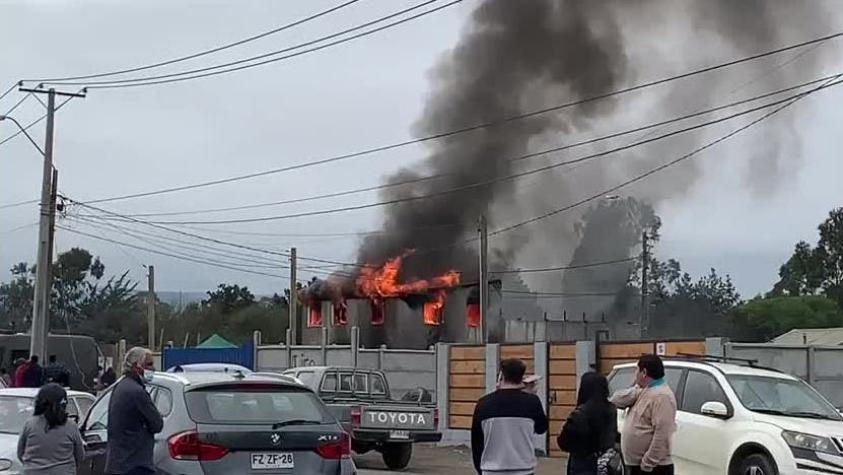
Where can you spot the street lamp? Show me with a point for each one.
(22, 129)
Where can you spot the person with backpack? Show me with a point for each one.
(590, 432)
(49, 443)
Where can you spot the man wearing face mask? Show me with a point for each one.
(133, 419)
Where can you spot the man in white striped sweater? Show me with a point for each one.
(504, 423)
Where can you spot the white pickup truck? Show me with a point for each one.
(361, 401)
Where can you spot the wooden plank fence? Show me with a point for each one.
(467, 383)
(562, 390)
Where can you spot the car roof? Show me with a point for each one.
(210, 378)
(32, 392)
(209, 367)
(330, 368)
(728, 369)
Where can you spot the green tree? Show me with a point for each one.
(228, 298)
(816, 270)
(16, 298)
(762, 319)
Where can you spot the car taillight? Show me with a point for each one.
(336, 450)
(187, 446)
(436, 418)
(356, 416)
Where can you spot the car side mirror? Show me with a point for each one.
(74, 418)
(715, 409)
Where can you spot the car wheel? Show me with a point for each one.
(757, 464)
(397, 456)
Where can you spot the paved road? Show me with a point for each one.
(428, 459)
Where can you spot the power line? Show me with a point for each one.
(18, 104)
(191, 245)
(33, 123)
(633, 180)
(519, 158)
(19, 203)
(568, 267)
(653, 171)
(479, 126)
(174, 256)
(11, 88)
(208, 239)
(486, 182)
(217, 70)
(201, 53)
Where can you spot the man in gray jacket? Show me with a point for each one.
(133, 419)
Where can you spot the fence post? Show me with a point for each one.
(586, 360)
(811, 372)
(381, 355)
(288, 339)
(355, 345)
(492, 355)
(541, 370)
(256, 342)
(714, 346)
(324, 347)
(443, 370)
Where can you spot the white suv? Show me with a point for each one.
(735, 419)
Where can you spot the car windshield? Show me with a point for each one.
(270, 405)
(14, 411)
(781, 396)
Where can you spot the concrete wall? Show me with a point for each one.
(405, 369)
(820, 366)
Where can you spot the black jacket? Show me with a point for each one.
(591, 429)
(133, 420)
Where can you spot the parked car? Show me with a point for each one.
(362, 402)
(16, 406)
(224, 423)
(738, 419)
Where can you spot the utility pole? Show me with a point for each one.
(645, 287)
(40, 308)
(41, 304)
(293, 314)
(484, 279)
(150, 307)
(50, 248)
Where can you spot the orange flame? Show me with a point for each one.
(433, 309)
(382, 282)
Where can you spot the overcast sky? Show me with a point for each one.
(350, 97)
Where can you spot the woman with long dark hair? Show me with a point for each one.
(591, 430)
(49, 443)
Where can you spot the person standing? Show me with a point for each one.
(591, 429)
(7, 380)
(108, 377)
(651, 421)
(49, 443)
(55, 372)
(504, 423)
(133, 419)
(34, 375)
(21, 365)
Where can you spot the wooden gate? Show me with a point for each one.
(467, 383)
(612, 354)
(562, 390)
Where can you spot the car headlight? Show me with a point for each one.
(799, 440)
(5, 464)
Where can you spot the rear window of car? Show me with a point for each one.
(267, 405)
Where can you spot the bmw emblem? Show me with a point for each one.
(275, 438)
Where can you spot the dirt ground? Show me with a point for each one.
(429, 459)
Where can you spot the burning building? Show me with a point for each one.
(390, 307)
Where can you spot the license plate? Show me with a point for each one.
(272, 461)
(399, 434)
